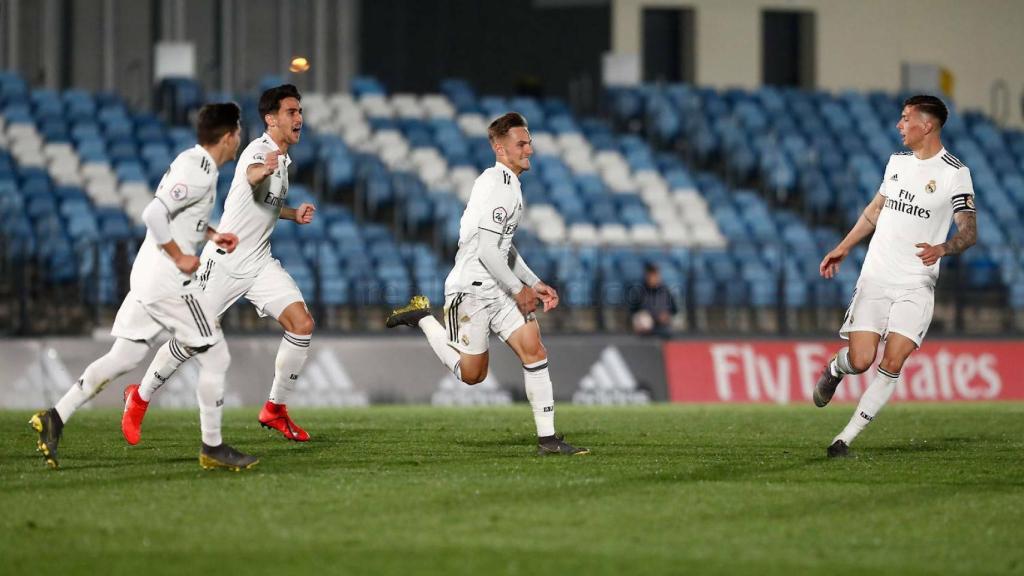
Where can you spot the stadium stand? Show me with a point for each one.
(734, 194)
(827, 153)
(77, 169)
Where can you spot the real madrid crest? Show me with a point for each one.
(930, 187)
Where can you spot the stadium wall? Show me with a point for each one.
(860, 45)
(585, 369)
(349, 372)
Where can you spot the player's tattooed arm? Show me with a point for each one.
(863, 228)
(966, 233)
(965, 237)
(873, 210)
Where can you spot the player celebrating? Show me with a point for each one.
(920, 192)
(491, 289)
(254, 204)
(165, 293)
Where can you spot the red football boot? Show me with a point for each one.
(276, 416)
(134, 411)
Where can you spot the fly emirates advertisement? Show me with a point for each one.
(785, 371)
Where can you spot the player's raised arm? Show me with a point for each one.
(257, 172)
(865, 226)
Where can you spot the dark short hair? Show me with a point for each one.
(503, 124)
(216, 120)
(270, 100)
(650, 267)
(929, 105)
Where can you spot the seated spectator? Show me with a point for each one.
(651, 305)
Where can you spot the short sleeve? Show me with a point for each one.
(499, 205)
(962, 196)
(255, 153)
(178, 189)
(885, 177)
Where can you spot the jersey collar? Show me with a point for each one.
(266, 135)
(942, 152)
(507, 170)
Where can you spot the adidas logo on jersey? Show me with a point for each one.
(895, 177)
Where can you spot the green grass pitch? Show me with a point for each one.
(935, 489)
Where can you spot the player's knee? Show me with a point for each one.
(303, 324)
(892, 364)
(474, 376)
(532, 350)
(216, 357)
(860, 360)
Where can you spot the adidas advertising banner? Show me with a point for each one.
(786, 371)
(351, 371)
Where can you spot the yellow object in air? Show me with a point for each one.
(946, 81)
(299, 64)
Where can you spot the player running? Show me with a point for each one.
(491, 289)
(920, 192)
(254, 204)
(165, 293)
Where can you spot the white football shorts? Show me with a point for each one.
(471, 320)
(188, 317)
(904, 311)
(270, 291)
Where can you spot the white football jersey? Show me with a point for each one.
(251, 213)
(921, 197)
(188, 190)
(495, 207)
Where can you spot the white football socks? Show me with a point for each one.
(213, 368)
(291, 357)
(541, 396)
(871, 403)
(166, 362)
(438, 340)
(123, 357)
(840, 365)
